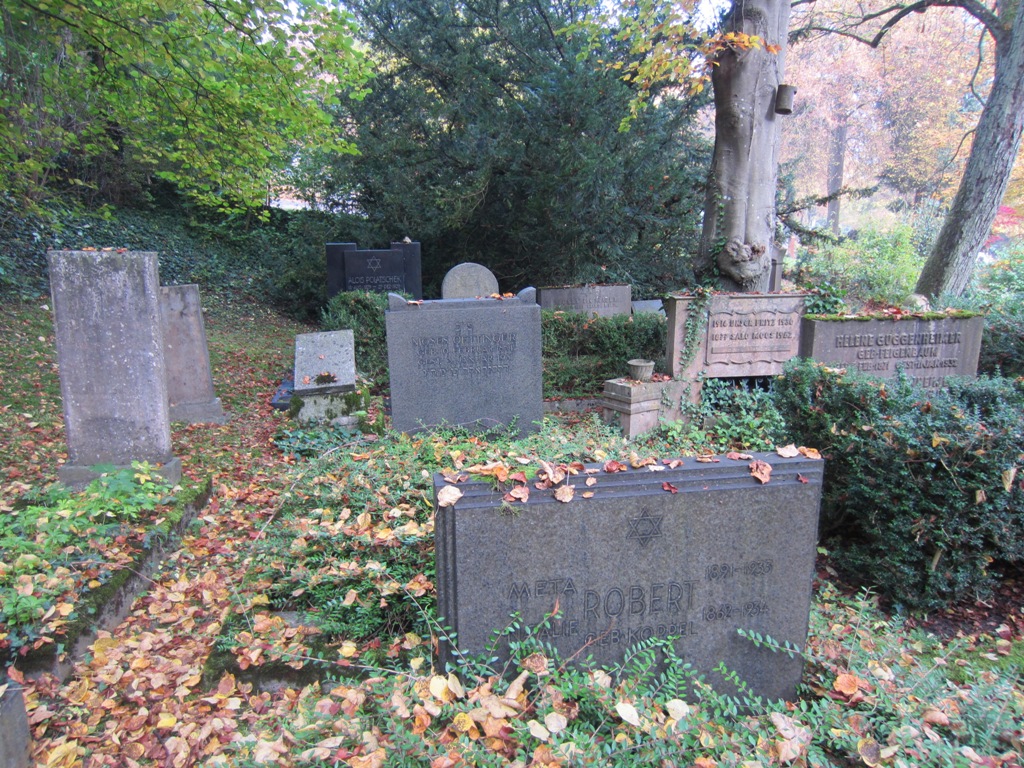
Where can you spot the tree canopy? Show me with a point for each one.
(214, 96)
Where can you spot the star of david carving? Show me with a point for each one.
(645, 528)
(373, 262)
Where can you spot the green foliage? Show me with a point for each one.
(1002, 342)
(582, 351)
(214, 97)
(66, 544)
(874, 267)
(487, 140)
(1001, 282)
(731, 415)
(920, 496)
(363, 313)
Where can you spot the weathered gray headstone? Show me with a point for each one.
(468, 281)
(928, 350)
(15, 737)
(186, 357)
(648, 305)
(325, 372)
(602, 300)
(465, 362)
(694, 552)
(110, 352)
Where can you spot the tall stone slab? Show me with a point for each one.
(929, 349)
(694, 552)
(396, 269)
(601, 300)
(465, 362)
(110, 351)
(190, 392)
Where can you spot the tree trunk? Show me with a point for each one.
(996, 143)
(836, 164)
(739, 211)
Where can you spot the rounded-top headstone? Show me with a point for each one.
(467, 281)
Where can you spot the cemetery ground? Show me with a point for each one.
(293, 621)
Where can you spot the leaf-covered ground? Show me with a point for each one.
(877, 693)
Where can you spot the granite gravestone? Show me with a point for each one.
(928, 350)
(601, 300)
(693, 552)
(465, 362)
(468, 281)
(325, 371)
(110, 351)
(396, 269)
(186, 357)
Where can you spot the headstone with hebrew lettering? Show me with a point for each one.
(396, 269)
(691, 553)
(190, 392)
(928, 349)
(110, 351)
(465, 362)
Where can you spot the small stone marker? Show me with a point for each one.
(654, 306)
(928, 350)
(395, 269)
(468, 281)
(325, 370)
(186, 357)
(465, 362)
(113, 379)
(697, 552)
(601, 300)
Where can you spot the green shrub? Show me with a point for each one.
(920, 495)
(880, 267)
(363, 313)
(582, 351)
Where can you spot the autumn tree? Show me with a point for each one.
(214, 96)
(997, 137)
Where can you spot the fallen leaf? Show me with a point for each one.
(591, 482)
(538, 731)
(614, 466)
(672, 463)
(555, 722)
(447, 496)
(1008, 477)
(636, 462)
(762, 470)
(846, 684)
(801, 478)
(788, 451)
(628, 713)
(667, 486)
(934, 716)
(810, 453)
(519, 493)
(738, 456)
(564, 493)
(869, 751)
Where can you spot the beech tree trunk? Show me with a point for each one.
(996, 143)
(836, 168)
(739, 212)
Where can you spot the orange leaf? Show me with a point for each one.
(846, 684)
(762, 470)
(564, 493)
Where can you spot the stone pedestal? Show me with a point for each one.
(187, 359)
(633, 406)
(110, 350)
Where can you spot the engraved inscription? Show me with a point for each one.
(645, 528)
(927, 356)
(757, 331)
(727, 611)
(464, 353)
(725, 571)
(377, 283)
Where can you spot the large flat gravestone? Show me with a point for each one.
(396, 269)
(465, 362)
(110, 351)
(190, 390)
(733, 334)
(719, 553)
(928, 350)
(601, 300)
(325, 372)
(467, 281)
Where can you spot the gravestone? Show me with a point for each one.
(928, 350)
(15, 736)
(468, 281)
(693, 552)
(465, 362)
(110, 352)
(397, 269)
(601, 300)
(648, 305)
(325, 375)
(190, 391)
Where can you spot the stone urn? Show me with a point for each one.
(641, 370)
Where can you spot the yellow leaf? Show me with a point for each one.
(348, 649)
(788, 451)
(167, 720)
(455, 686)
(439, 688)
(1008, 477)
(447, 496)
(938, 440)
(869, 751)
(462, 722)
(538, 731)
(65, 754)
(628, 713)
(564, 493)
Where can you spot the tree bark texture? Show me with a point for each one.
(987, 173)
(739, 211)
(835, 171)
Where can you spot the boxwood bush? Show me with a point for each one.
(924, 492)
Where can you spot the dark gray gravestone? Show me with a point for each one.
(928, 350)
(396, 269)
(468, 362)
(110, 351)
(467, 281)
(694, 552)
(15, 737)
(187, 358)
(602, 300)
